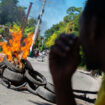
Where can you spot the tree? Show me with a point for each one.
(10, 12)
(51, 40)
(31, 22)
(68, 25)
(50, 31)
(30, 26)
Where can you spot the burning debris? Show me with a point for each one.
(15, 49)
(16, 71)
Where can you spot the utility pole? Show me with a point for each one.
(37, 26)
(25, 20)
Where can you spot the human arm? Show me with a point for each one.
(63, 61)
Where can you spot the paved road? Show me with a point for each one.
(80, 80)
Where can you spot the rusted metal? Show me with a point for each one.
(26, 18)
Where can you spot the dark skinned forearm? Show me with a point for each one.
(64, 59)
(64, 92)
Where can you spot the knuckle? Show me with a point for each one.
(72, 36)
(62, 35)
(52, 48)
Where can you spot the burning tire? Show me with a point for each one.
(36, 78)
(31, 78)
(10, 66)
(13, 76)
(42, 92)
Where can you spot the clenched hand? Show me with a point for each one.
(64, 57)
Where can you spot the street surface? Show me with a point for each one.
(81, 81)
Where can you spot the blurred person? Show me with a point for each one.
(64, 56)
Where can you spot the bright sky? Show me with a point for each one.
(55, 10)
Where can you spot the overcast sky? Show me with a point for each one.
(55, 10)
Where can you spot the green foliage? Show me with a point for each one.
(1, 30)
(74, 10)
(31, 22)
(50, 31)
(73, 14)
(68, 25)
(30, 27)
(37, 44)
(10, 12)
(51, 40)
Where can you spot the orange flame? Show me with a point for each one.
(14, 46)
(25, 49)
(1, 57)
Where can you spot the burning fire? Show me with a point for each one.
(14, 48)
